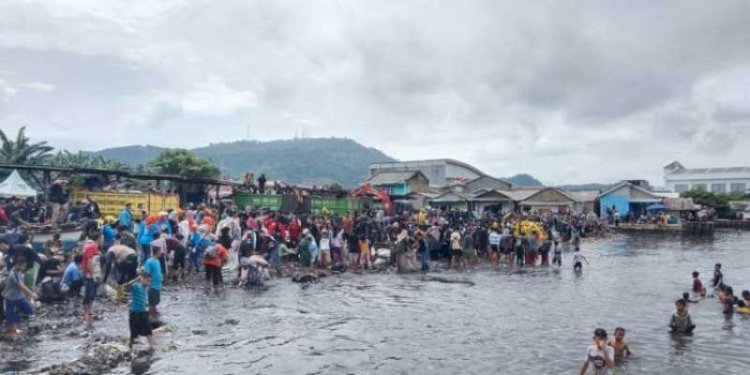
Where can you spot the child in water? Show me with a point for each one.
(557, 257)
(698, 289)
(681, 321)
(577, 258)
(618, 343)
(599, 355)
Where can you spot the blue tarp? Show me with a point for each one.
(656, 207)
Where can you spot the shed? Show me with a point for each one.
(585, 200)
(546, 199)
(493, 200)
(399, 183)
(626, 198)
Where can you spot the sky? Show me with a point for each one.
(568, 91)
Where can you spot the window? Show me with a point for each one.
(737, 187)
(718, 188)
(699, 187)
(679, 188)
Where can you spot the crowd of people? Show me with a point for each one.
(138, 246)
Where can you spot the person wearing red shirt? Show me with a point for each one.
(92, 274)
(698, 288)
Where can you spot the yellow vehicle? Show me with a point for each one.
(111, 203)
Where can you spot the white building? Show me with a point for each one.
(440, 173)
(716, 180)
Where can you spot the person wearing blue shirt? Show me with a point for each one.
(72, 279)
(138, 313)
(126, 217)
(153, 268)
(108, 234)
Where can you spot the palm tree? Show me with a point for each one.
(21, 151)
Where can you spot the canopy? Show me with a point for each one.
(656, 207)
(15, 186)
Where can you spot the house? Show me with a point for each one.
(456, 201)
(716, 180)
(439, 172)
(544, 199)
(585, 200)
(493, 200)
(486, 183)
(626, 197)
(399, 184)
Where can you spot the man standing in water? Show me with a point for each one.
(599, 355)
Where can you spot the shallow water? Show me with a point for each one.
(536, 321)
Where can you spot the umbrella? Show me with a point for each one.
(656, 207)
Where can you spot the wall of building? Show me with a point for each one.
(621, 203)
(439, 173)
(710, 185)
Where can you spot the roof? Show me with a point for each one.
(433, 161)
(116, 172)
(491, 195)
(453, 197)
(519, 195)
(679, 204)
(583, 195)
(675, 172)
(388, 178)
(484, 177)
(625, 183)
(15, 186)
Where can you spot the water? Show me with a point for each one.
(536, 321)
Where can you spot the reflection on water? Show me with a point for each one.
(530, 321)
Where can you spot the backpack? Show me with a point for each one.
(210, 252)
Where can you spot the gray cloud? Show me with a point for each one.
(568, 93)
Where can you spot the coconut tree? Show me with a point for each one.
(22, 151)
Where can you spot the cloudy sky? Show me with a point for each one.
(567, 91)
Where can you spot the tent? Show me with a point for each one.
(656, 207)
(15, 186)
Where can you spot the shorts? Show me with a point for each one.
(213, 273)
(470, 254)
(140, 325)
(13, 310)
(89, 291)
(178, 263)
(495, 248)
(154, 297)
(353, 257)
(457, 253)
(128, 269)
(577, 266)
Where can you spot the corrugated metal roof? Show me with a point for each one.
(453, 197)
(699, 171)
(679, 204)
(584, 195)
(520, 195)
(386, 178)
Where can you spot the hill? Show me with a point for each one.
(298, 161)
(524, 180)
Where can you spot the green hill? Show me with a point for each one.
(298, 161)
(524, 180)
